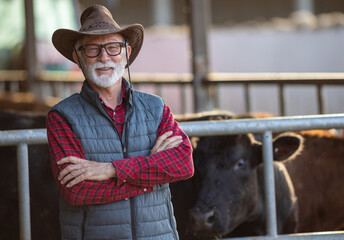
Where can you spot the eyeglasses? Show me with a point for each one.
(93, 50)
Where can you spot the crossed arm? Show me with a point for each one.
(83, 182)
(81, 169)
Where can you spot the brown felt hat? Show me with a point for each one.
(97, 20)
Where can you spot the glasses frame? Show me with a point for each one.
(122, 44)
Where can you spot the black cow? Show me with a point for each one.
(230, 188)
(43, 190)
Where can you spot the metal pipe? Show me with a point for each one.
(15, 137)
(209, 128)
(336, 235)
(269, 180)
(23, 191)
(213, 128)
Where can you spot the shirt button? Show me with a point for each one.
(124, 180)
(126, 199)
(145, 189)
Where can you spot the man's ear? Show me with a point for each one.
(128, 50)
(76, 59)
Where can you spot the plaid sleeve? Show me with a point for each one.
(63, 143)
(163, 167)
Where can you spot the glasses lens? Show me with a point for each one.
(92, 50)
(113, 48)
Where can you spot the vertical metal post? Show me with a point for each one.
(247, 97)
(199, 19)
(159, 90)
(304, 5)
(23, 191)
(183, 97)
(162, 12)
(30, 45)
(320, 99)
(270, 202)
(281, 99)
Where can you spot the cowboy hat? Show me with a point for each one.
(97, 20)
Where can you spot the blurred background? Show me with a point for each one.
(284, 57)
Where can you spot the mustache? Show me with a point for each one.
(108, 64)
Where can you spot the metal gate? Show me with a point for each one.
(22, 138)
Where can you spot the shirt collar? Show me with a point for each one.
(122, 99)
(93, 96)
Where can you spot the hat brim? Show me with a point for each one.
(64, 39)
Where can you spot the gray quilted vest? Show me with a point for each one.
(147, 216)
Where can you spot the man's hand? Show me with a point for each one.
(165, 142)
(80, 169)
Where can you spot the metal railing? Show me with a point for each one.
(57, 78)
(22, 138)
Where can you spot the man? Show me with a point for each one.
(113, 149)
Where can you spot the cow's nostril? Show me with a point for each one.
(209, 218)
(202, 221)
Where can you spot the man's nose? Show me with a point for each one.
(103, 56)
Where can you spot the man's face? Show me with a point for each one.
(103, 70)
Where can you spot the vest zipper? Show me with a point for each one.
(124, 149)
(105, 113)
(132, 215)
(83, 225)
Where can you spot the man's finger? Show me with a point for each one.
(75, 181)
(168, 143)
(163, 137)
(67, 170)
(72, 175)
(160, 140)
(70, 159)
(173, 144)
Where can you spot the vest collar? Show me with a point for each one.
(92, 96)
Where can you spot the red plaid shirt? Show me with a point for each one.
(135, 175)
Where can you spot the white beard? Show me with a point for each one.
(104, 80)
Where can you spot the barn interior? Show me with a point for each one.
(273, 58)
(281, 57)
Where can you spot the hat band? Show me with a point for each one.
(97, 26)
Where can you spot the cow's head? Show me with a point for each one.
(226, 167)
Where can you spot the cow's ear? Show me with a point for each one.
(287, 146)
(256, 150)
(194, 141)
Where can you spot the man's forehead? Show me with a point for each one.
(113, 37)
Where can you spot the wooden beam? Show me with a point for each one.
(30, 46)
(199, 19)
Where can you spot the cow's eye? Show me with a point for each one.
(241, 163)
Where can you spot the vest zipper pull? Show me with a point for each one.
(124, 150)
